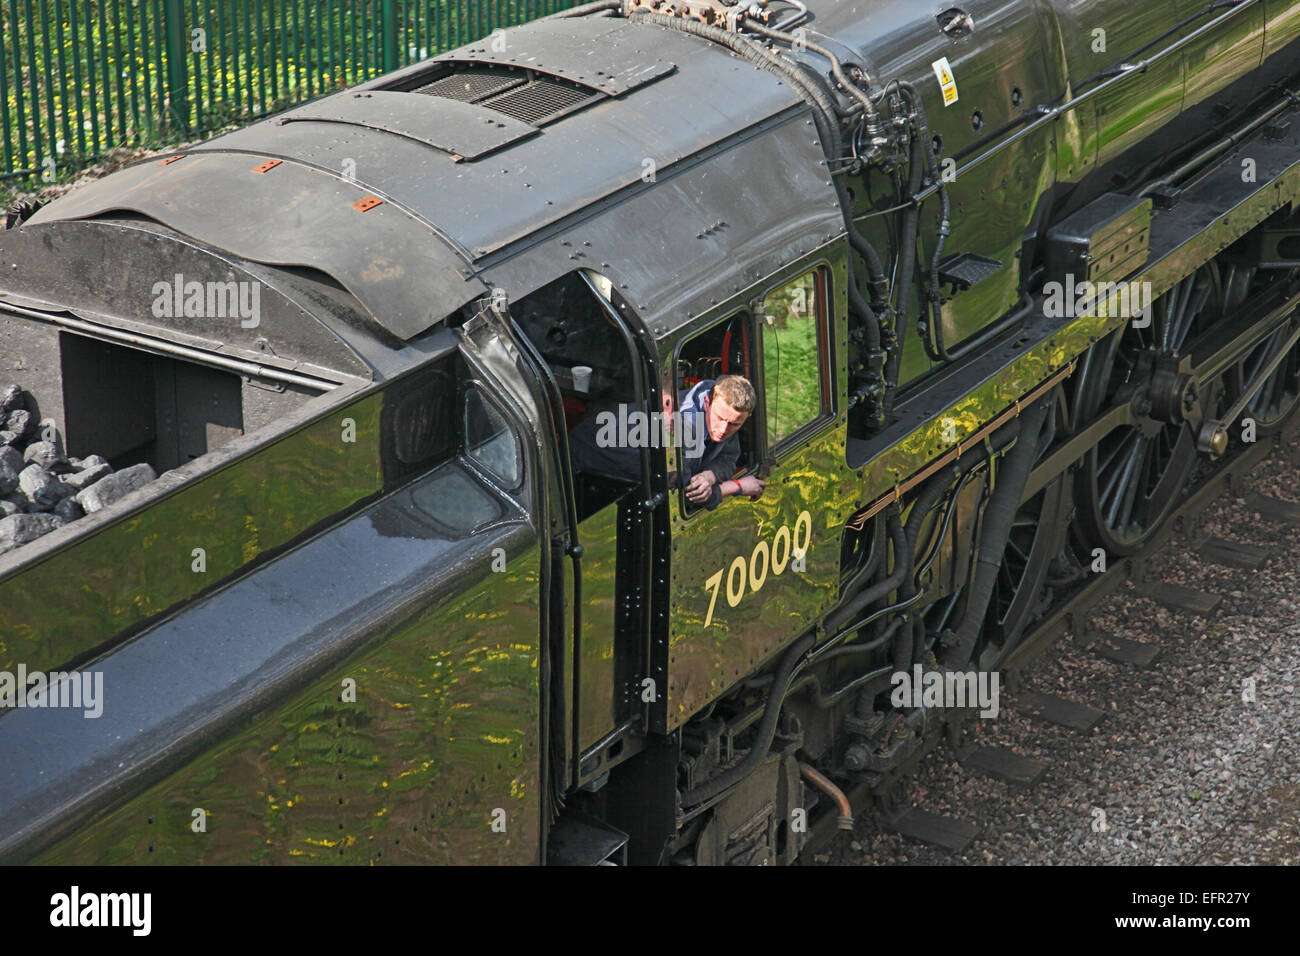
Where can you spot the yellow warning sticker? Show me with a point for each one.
(947, 82)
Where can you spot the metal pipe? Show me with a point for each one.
(845, 820)
(798, 16)
(941, 353)
(1223, 145)
(837, 69)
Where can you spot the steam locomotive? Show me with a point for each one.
(1000, 273)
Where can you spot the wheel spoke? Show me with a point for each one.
(1125, 482)
(1136, 480)
(1115, 473)
(1171, 316)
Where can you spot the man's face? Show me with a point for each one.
(723, 420)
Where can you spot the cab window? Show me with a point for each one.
(489, 442)
(722, 349)
(794, 343)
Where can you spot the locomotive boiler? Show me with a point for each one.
(1000, 273)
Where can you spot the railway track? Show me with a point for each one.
(968, 793)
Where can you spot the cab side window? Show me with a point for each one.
(793, 334)
(489, 441)
(722, 349)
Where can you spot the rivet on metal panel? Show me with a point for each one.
(267, 166)
(367, 204)
(171, 159)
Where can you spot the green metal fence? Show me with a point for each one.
(80, 77)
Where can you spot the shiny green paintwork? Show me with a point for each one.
(705, 661)
(1281, 24)
(99, 585)
(985, 400)
(990, 204)
(599, 536)
(1232, 51)
(444, 730)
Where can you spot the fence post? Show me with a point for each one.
(390, 35)
(177, 51)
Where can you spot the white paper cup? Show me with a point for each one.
(581, 378)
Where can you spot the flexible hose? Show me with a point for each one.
(837, 69)
(945, 217)
(907, 263)
(884, 587)
(766, 729)
(997, 521)
(867, 318)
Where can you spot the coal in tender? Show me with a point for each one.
(18, 530)
(11, 397)
(11, 464)
(87, 475)
(39, 480)
(114, 487)
(69, 510)
(19, 421)
(47, 454)
(41, 488)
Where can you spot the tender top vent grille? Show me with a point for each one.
(526, 96)
(472, 86)
(539, 101)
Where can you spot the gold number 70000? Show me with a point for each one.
(751, 574)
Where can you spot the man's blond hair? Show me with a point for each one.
(736, 391)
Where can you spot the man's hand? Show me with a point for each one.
(752, 486)
(700, 488)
